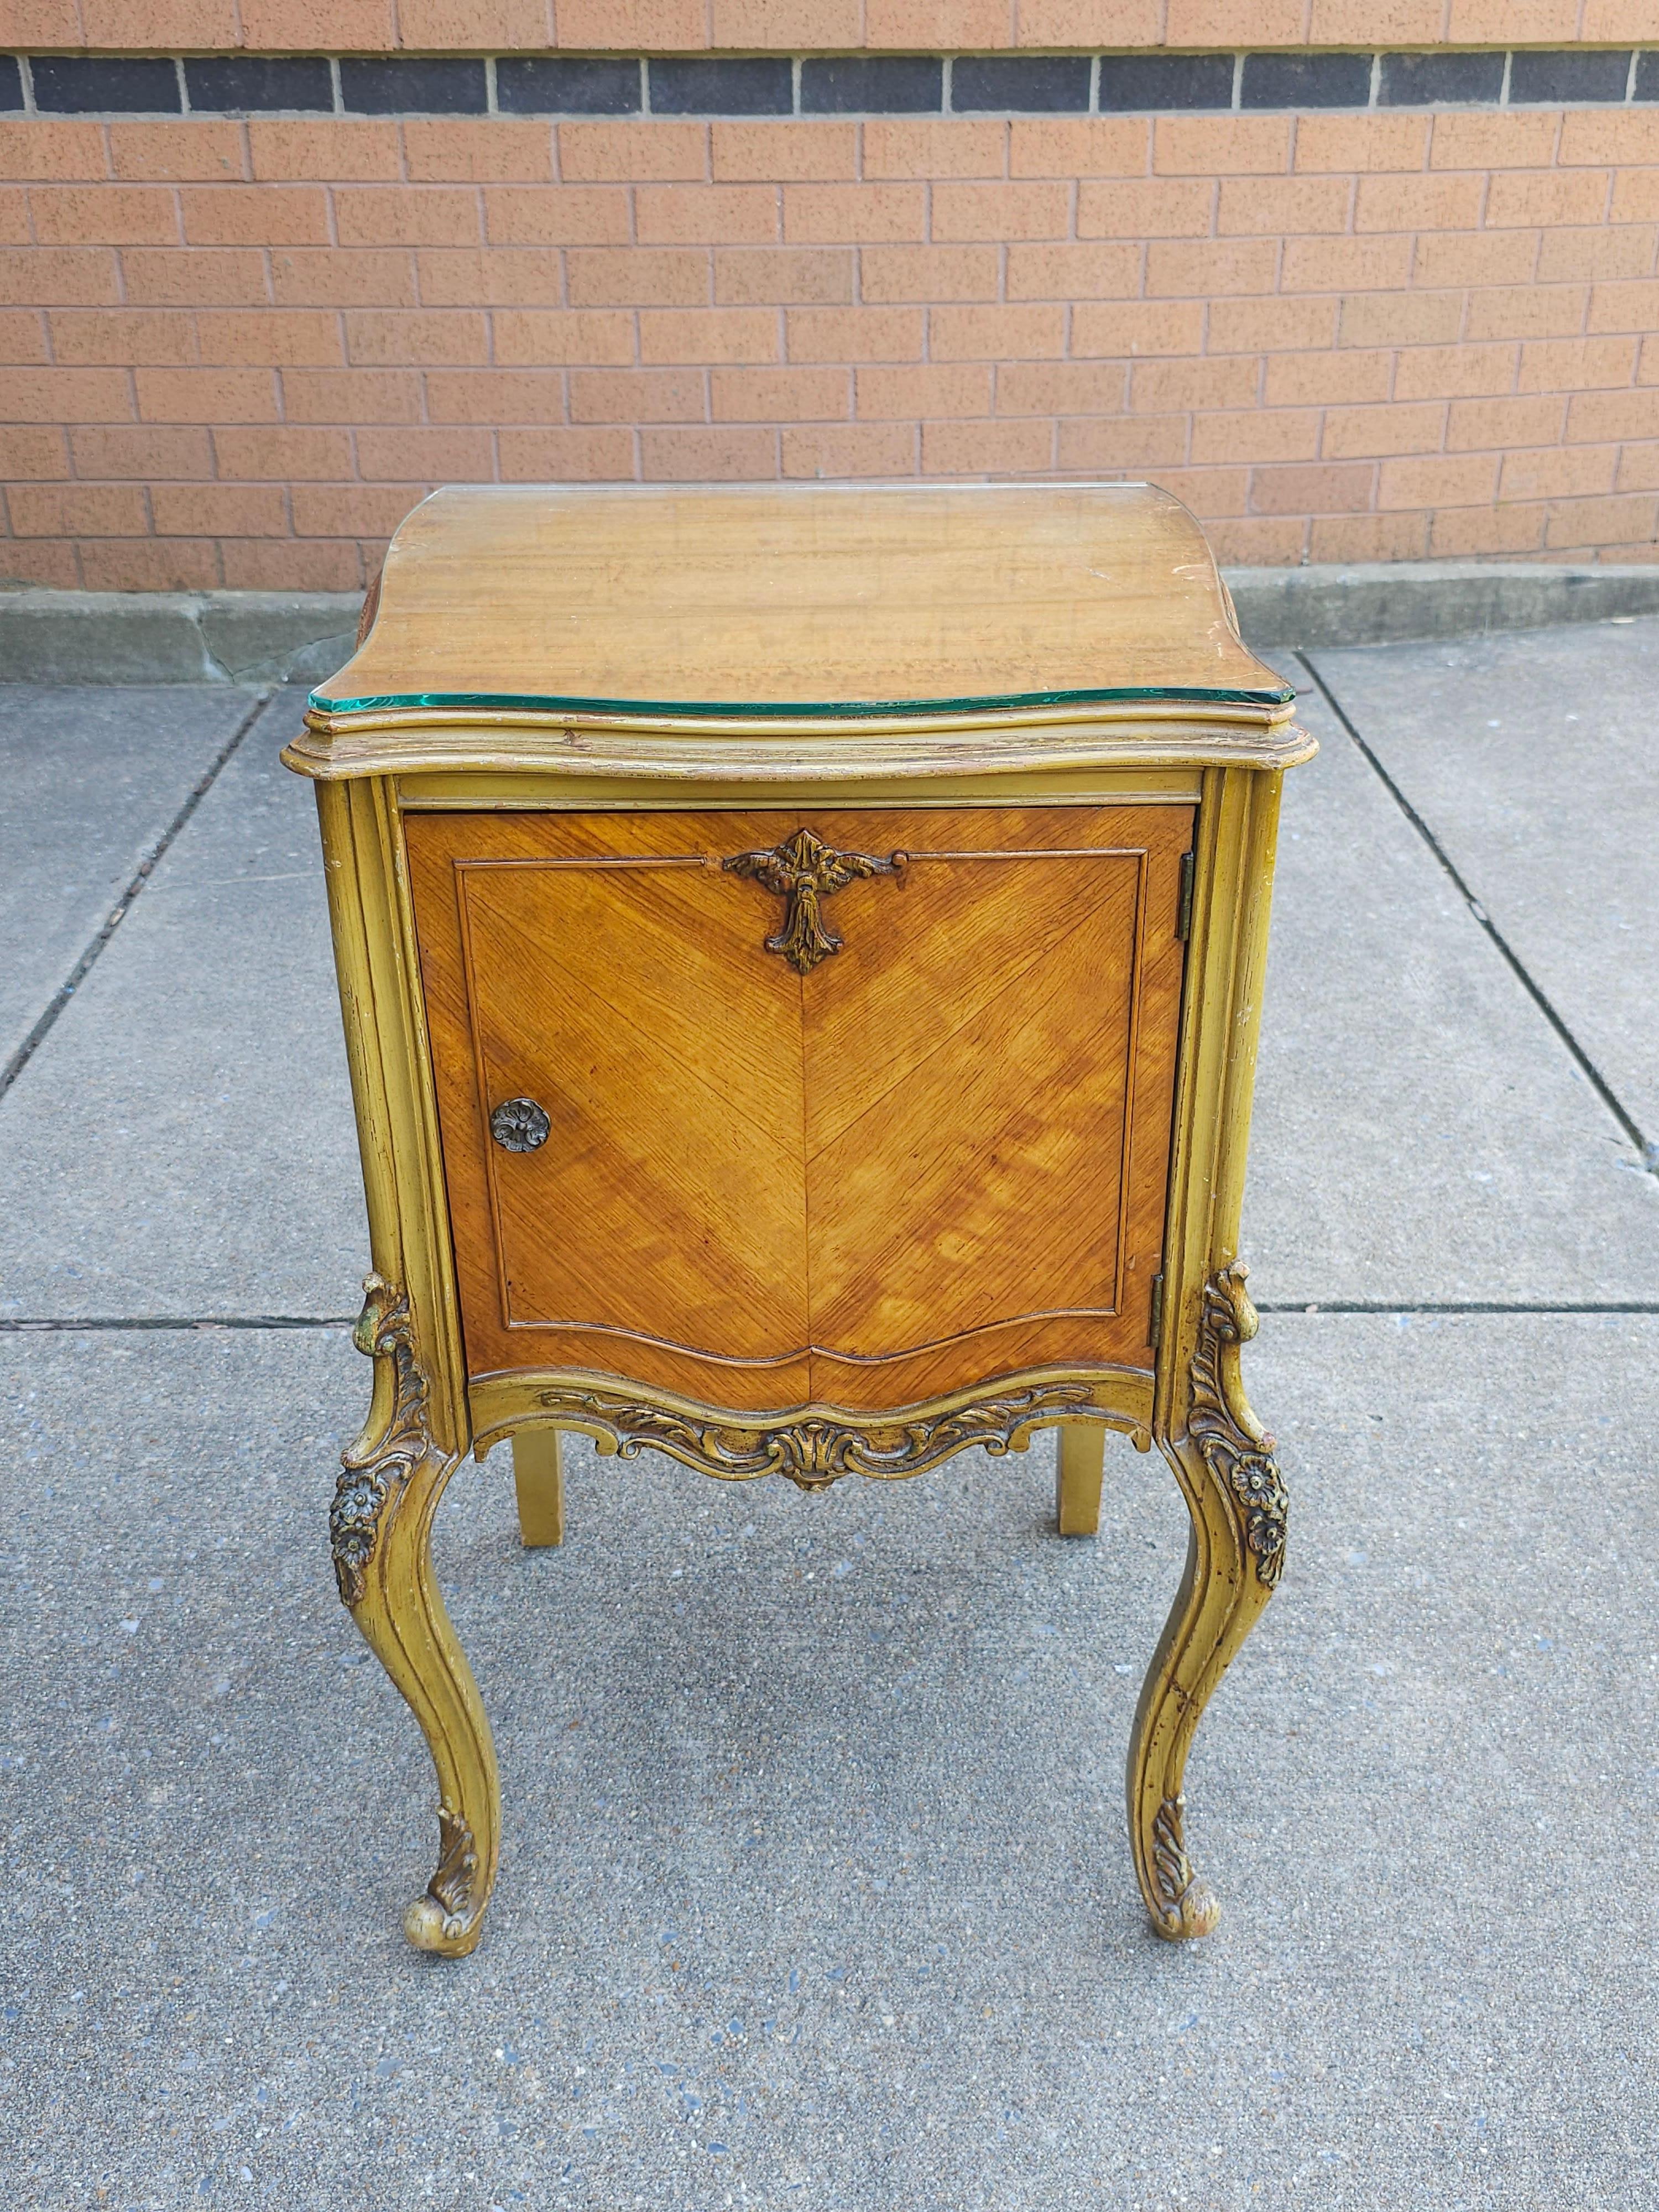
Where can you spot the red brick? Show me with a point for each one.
(351, 395)
(763, 275)
(437, 215)
(694, 455)
(494, 150)
(489, 277)
(430, 338)
(282, 452)
(317, 276)
(1445, 480)
(36, 148)
(1478, 138)
(145, 451)
(1487, 22)
(1187, 268)
(14, 217)
(103, 215)
(853, 334)
(920, 25)
(328, 150)
(925, 273)
(1079, 146)
(167, 276)
(206, 395)
(255, 215)
(1071, 271)
(1491, 425)
(40, 23)
(1375, 433)
(632, 153)
(449, 454)
(786, 23)
(1618, 139)
(1419, 203)
(496, 395)
(638, 276)
(566, 456)
(850, 449)
(930, 147)
(318, 26)
(1533, 311)
(1221, 145)
(532, 340)
(141, 25)
(78, 510)
(1559, 472)
(290, 564)
(971, 449)
(1061, 387)
(638, 395)
(712, 214)
(1234, 22)
(1540, 199)
(1618, 521)
(352, 510)
(1387, 23)
(1576, 364)
(630, 25)
(1273, 206)
(1258, 541)
(1132, 327)
(196, 150)
(1344, 144)
(854, 215)
(1635, 196)
(150, 565)
(726, 335)
(993, 333)
(121, 336)
(64, 395)
(997, 213)
(45, 561)
(1621, 415)
(558, 214)
(29, 451)
(784, 152)
(494, 25)
(1145, 207)
(1314, 488)
(1144, 441)
(923, 390)
(1090, 22)
(1162, 387)
(307, 337)
(1256, 433)
(781, 395)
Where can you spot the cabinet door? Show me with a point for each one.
(777, 1172)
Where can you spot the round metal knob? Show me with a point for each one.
(519, 1125)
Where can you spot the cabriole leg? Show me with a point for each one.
(380, 1529)
(1236, 1500)
(538, 1478)
(1081, 1467)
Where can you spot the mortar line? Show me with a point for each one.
(1648, 1153)
(71, 983)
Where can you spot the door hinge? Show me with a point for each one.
(1155, 1320)
(1184, 909)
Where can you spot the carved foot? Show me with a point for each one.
(449, 1918)
(1186, 1905)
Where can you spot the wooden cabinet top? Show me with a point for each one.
(776, 608)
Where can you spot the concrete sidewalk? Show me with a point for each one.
(814, 1889)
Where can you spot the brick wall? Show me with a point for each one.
(237, 347)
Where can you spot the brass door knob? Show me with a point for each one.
(520, 1125)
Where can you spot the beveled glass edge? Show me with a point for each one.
(841, 710)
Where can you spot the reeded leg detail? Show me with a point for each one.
(1235, 1555)
(538, 1478)
(1081, 1467)
(380, 1529)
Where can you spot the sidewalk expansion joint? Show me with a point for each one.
(23, 1327)
(1647, 1149)
(71, 983)
(1408, 1306)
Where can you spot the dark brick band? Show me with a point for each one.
(856, 84)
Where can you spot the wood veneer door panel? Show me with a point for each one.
(660, 1231)
(989, 1062)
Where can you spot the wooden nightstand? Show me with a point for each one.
(801, 951)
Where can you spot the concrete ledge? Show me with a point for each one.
(281, 637)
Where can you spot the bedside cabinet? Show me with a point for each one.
(800, 950)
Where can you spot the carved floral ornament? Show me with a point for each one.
(1234, 1448)
(376, 1467)
(803, 871)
